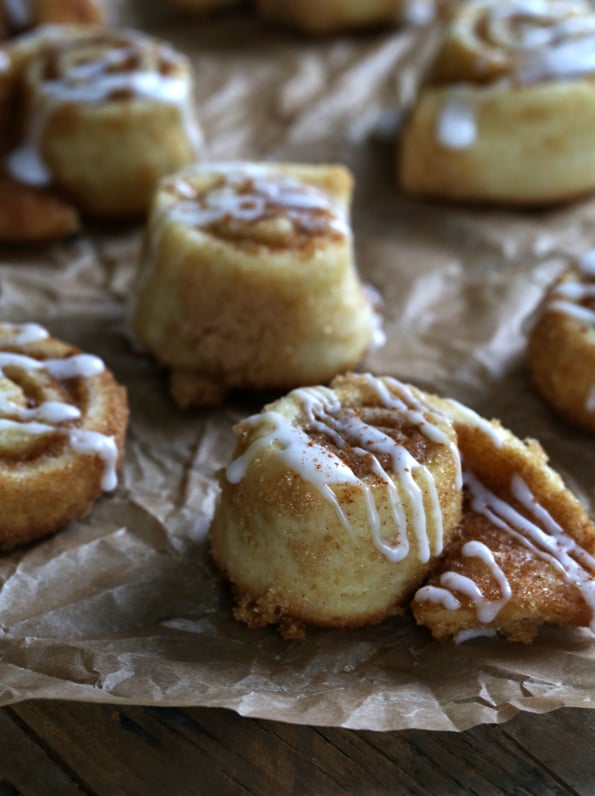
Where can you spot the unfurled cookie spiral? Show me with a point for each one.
(507, 113)
(561, 343)
(343, 503)
(524, 554)
(63, 420)
(105, 115)
(18, 16)
(337, 504)
(249, 281)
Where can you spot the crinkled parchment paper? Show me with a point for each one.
(125, 606)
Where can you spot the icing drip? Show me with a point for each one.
(48, 417)
(248, 196)
(96, 444)
(486, 610)
(323, 413)
(24, 333)
(468, 635)
(77, 366)
(471, 418)
(457, 122)
(576, 298)
(92, 82)
(538, 532)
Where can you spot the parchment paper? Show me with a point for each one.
(126, 606)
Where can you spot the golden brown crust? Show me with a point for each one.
(561, 348)
(53, 467)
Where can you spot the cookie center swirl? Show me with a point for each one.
(332, 445)
(548, 40)
(92, 70)
(533, 24)
(526, 42)
(269, 210)
(36, 402)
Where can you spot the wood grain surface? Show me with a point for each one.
(66, 748)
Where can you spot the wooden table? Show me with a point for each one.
(63, 748)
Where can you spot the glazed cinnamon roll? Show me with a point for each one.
(507, 113)
(107, 114)
(249, 280)
(561, 344)
(17, 16)
(62, 424)
(321, 17)
(524, 554)
(337, 504)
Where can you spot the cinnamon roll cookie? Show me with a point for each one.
(105, 115)
(18, 16)
(321, 17)
(337, 504)
(524, 554)
(62, 424)
(508, 109)
(561, 343)
(249, 279)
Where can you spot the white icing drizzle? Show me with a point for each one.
(24, 333)
(92, 83)
(47, 417)
(477, 632)
(575, 291)
(320, 467)
(486, 610)
(96, 444)
(438, 595)
(574, 296)
(471, 418)
(582, 314)
(547, 540)
(457, 121)
(249, 195)
(77, 366)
